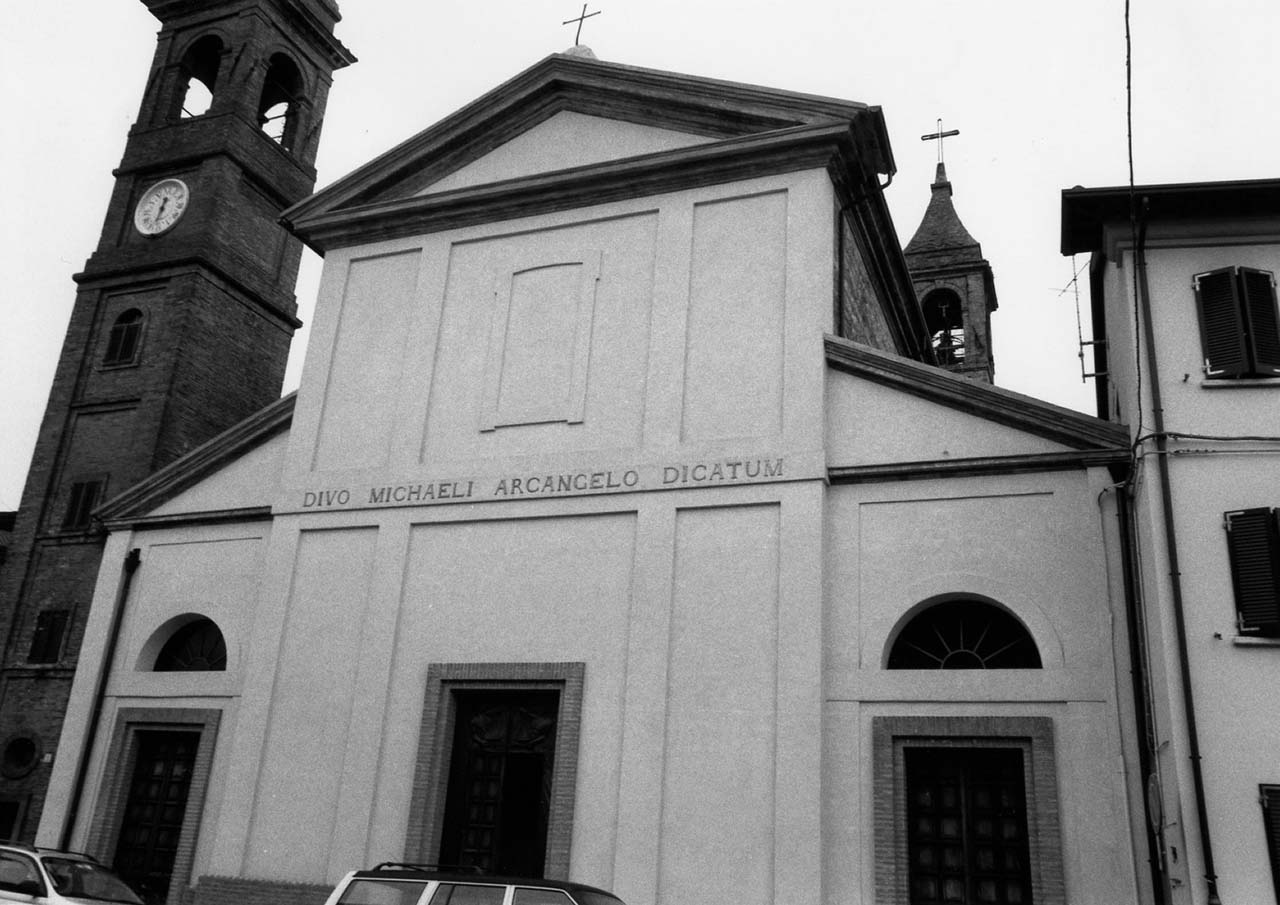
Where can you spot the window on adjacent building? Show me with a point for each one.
(124, 339)
(1253, 544)
(46, 640)
(83, 497)
(1239, 323)
(1269, 796)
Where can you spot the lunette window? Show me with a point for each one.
(1239, 323)
(1253, 545)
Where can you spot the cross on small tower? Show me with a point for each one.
(580, 19)
(939, 135)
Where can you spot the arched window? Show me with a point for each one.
(281, 94)
(944, 318)
(195, 647)
(124, 339)
(964, 634)
(198, 77)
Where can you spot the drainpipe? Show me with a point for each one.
(1171, 544)
(1139, 671)
(131, 562)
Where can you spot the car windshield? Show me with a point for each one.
(86, 880)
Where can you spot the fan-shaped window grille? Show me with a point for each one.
(195, 647)
(964, 634)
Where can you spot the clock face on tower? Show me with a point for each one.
(160, 206)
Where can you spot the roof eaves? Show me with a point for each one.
(1043, 419)
(182, 473)
(783, 150)
(726, 108)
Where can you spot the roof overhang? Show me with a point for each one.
(1087, 212)
(755, 131)
(1036, 417)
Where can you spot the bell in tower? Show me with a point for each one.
(180, 328)
(954, 285)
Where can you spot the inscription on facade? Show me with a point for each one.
(542, 485)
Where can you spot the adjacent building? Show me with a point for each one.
(180, 328)
(1188, 351)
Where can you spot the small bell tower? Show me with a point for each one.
(180, 328)
(954, 284)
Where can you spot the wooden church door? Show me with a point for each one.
(499, 794)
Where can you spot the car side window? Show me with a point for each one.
(382, 892)
(528, 896)
(468, 894)
(19, 873)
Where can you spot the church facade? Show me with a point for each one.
(623, 528)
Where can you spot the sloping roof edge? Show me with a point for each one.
(710, 106)
(1085, 211)
(1042, 419)
(649, 174)
(202, 461)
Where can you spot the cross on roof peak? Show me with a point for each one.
(939, 135)
(580, 19)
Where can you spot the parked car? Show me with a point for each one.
(42, 876)
(392, 883)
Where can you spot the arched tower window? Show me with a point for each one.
(124, 339)
(281, 96)
(944, 318)
(195, 647)
(198, 77)
(964, 634)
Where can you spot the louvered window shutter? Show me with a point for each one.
(1270, 798)
(1221, 325)
(1254, 547)
(1258, 289)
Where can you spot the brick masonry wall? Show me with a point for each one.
(861, 317)
(212, 890)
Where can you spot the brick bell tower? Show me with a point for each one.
(181, 326)
(954, 284)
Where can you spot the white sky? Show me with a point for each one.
(1037, 90)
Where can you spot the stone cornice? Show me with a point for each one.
(975, 467)
(188, 519)
(780, 151)
(668, 100)
(1043, 419)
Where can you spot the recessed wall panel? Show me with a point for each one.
(544, 342)
(718, 788)
(302, 762)
(368, 359)
(737, 299)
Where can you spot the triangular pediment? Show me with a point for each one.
(567, 139)
(890, 413)
(569, 120)
(234, 474)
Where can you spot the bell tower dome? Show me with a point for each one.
(180, 328)
(954, 284)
